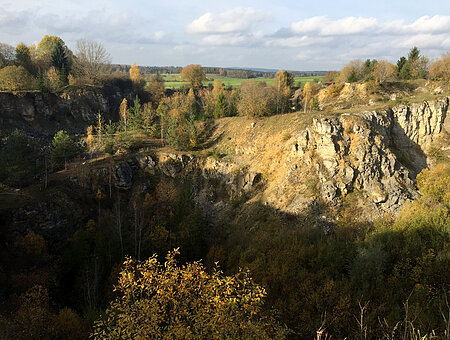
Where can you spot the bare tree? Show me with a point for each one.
(92, 60)
(362, 326)
(384, 71)
(7, 51)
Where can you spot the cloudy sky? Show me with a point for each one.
(295, 35)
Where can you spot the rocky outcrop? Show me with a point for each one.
(123, 175)
(376, 153)
(73, 109)
(374, 156)
(415, 128)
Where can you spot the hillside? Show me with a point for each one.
(300, 199)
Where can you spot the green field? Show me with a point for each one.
(173, 81)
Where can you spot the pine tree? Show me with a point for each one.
(221, 106)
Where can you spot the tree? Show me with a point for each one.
(8, 52)
(162, 112)
(218, 87)
(194, 75)
(330, 76)
(384, 71)
(172, 302)
(63, 148)
(221, 106)
(23, 58)
(157, 89)
(55, 81)
(307, 96)
(90, 138)
(45, 49)
(60, 60)
(16, 78)
(284, 82)
(400, 63)
(33, 318)
(135, 74)
(414, 54)
(17, 159)
(124, 112)
(92, 60)
(135, 116)
(257, 100)
(414, 67)
(352, 72)
(418, 64)
(440, 68)
(3, 62)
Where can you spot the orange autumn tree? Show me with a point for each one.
(185, 302)
(194, 75)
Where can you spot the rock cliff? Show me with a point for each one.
(299, 164)
(73, 109)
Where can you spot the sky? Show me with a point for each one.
(293, 35)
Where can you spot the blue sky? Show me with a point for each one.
(296, 35)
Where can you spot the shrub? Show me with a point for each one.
(16, 78)
(17, 161)
(172, 302)
(63, 148)
(335, 89)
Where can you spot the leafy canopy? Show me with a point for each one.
(194, 75)
(185, 302)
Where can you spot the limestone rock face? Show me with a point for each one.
(369, 159)
(146, 163)
(376, 153)
(72, 110)
(415, 127)
(172, 164)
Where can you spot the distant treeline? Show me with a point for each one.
(226, 72)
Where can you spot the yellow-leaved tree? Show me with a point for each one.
(194, 75)
(124, 112)
(135, 74)
(185, 302)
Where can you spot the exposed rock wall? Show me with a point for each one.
(370, 158)
(374, 154)
(377, 153)
(75, 108)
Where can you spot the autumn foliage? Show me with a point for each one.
(185, 302)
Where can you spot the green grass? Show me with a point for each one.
(173, 81)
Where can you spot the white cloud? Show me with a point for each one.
(426, 41)
(158, 37)
(325, 26)
(226, 40)
(435, 24)
(298, 41)
(236, 20)
(348, 38)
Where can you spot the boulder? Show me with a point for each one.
(123, 175)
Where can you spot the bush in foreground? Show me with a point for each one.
(171, 302)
